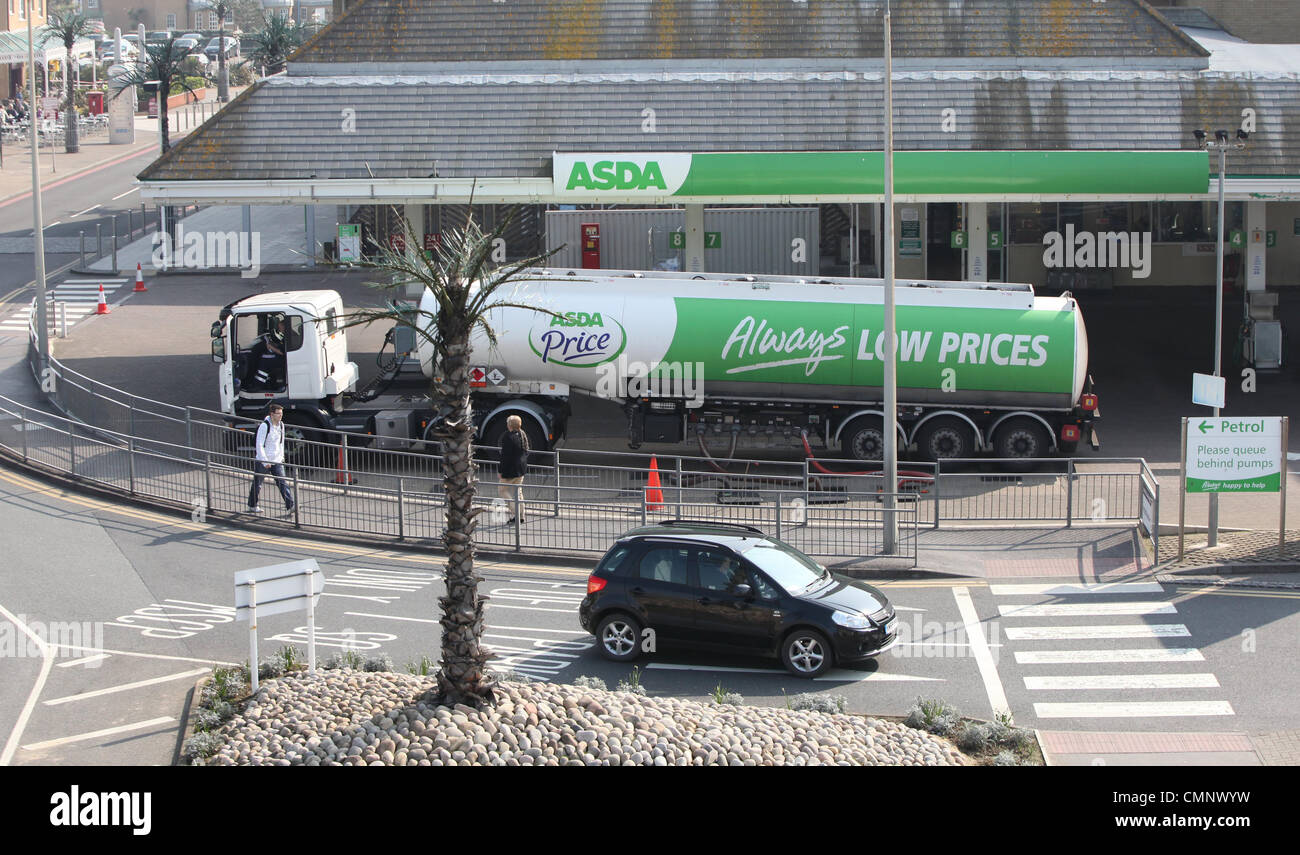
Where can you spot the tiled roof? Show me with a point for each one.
(292, 129)
(1189, 16)
(422, 31)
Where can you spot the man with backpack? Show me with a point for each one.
(270, 459)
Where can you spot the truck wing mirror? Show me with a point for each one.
(219, 350)
(216, 329)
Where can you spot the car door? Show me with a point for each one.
(724, 617)
(659, 589)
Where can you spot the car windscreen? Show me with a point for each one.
(789, 568)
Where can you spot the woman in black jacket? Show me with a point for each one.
(514, 463)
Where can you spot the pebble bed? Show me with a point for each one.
(359, 718)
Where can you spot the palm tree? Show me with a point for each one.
(222, 8)
(66, 25)
(466, 288)
(279, 38)
(162, 62)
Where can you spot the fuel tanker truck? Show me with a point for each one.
(716, 361)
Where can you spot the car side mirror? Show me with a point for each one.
(743, 590)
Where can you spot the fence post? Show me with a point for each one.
(297, 498)
(82, 233)
(1069, 493)
(132, 403)
(189, 433)
(643, 506)
(518, 495)
(99, 240)
(63, 318)
(401, 510)
(938, 470)
(130, 224)
(72, 450)
(679, 486)
(115, 243)
(130, 464)
(144, 220)
(778, 516)
(23, 428)
(207, 480)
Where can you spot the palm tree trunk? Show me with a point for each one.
(463, 677)
(223, 82)
(163, 126)
(71, 142)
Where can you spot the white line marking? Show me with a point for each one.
(937, 644)
(144, 655)
(53, 224)
(92, 281)
(85, 660)
(88, 210)
(1087, 609)
(1054, 633)
(94, 734)
(1133, 709)
(836, 675)
(531, 609)
(392, 617)
(126, 687)
(1077, 588)
(127, 193)
(1075, 657)
(1124, 681)
(550, 584)
(538, 629)
(47, 661)
(980, 651)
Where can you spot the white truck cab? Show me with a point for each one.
(287, 346)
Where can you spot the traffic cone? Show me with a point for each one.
(343, 476)
(654, 496)
(139, 279)
(102, 308)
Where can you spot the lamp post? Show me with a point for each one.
(1220, 144)
(890, 535)
(38, 220)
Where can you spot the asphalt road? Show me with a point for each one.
(143, 603)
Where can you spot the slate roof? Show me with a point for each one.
(1190, 16)
(424, 31)
(290, 129)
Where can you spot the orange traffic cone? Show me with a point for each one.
(654, 496)
(343, 476)
(102, 308)
(139, 278)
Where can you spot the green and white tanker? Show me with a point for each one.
(745, 361)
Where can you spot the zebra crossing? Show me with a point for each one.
(79, 296)
(1058, 654)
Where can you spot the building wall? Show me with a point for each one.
(117, 13)
(1264, 21)
(10, 19)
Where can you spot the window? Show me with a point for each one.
(293, 334)
(171, 21)
(664, 564)
(212, 21)
(1194, 222)
(1029, 221)
(92, 4)
(331, 322)
(611, 562)
(718, 570)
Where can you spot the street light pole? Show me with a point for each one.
(1220, 145)
(890, 538)
(38, 219)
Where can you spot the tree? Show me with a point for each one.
(163, 63)
(278, 38)
(66, 25)
(247, 14)
(222, 9)
(138, 17)
(466, 288)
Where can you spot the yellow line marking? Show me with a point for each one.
(1216, 590)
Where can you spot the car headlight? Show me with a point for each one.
(851, 621)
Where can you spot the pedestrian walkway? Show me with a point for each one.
(1067, 748)
(1052, 631)
(79, 296)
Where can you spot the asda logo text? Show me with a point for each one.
(616, 175)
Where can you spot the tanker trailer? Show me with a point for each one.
(728, 361)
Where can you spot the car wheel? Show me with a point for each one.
(619, 637)
(806, 653)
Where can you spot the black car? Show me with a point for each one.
(731, 588)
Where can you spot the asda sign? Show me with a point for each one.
(638, 175)
(855, 174)
(580, 339)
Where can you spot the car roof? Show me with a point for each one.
(733, 536)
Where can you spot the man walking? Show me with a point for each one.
(514, 463)
(270, 459)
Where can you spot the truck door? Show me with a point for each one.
(223, 354)
(300, 359)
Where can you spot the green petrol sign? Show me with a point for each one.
(669, 175)
(1234, 455)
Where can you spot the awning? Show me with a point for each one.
(13, 47)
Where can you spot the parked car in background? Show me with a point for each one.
(732, 589)
(188, 44)
(129, 52)
(158, 36)
(214, 47)
(198, 37)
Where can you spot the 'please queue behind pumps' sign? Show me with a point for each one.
(1234, 455)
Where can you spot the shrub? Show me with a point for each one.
(722, 696)
(345, 659)
(241, 74)
(998, 733)
(933, 715)
(202, 745)
(206, 719)
(585, 682)
(270, 668)
(423, 668)
(1006, 758)
(632, 683)
(382, 662)
(818, 703)
(973, 738)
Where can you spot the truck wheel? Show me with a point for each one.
(304, 446)
(864, 438)
(1021, 438)
(946, 438)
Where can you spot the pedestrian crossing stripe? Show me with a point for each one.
(1123, 681)
(1064, 633)
(94, 281)
(1078, 657)
(1087, 609)
(1074, 589)
(1133, 709)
